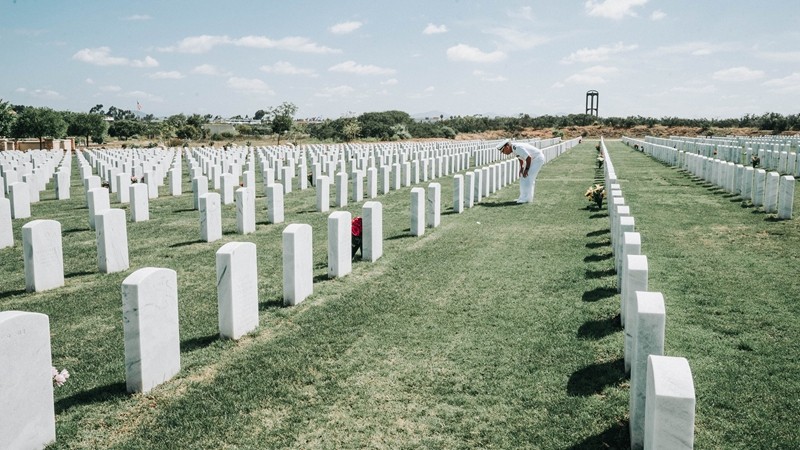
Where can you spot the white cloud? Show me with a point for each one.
(598, 54)
(590, 76)
(429, 89)
(612, 9)
(209, 69)
(197, 44)
(359, 69)
(463, 52)
(696, 89)
(789, 57)
(89, 81)
(204, 43)
(142, 95)
(696, 48)
(740, 73)
(789, 84)
(389, 82)
(101, 56)
(249, 85)
(345, 27)
(286, 68)
(171, 75)
(138, 17)
(513, 39)
(434, 29)
(526, 12)
(488, 76)
(293, 43)
(110, 88)
(43, 94)
(338, 91)
(657, 15)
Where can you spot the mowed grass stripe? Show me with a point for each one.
(728, 273)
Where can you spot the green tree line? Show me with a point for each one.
(96, 125)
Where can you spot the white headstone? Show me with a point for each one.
(26, 391)
(771, 193)
(340, 262)
(237, 289)
(42, 255)
(323, 189)
(98, 202)
(340, 199)
(634, 280)
(199, 188)
(6, 230)
(434, 205)
(372, 182)
(298, 266)
(245, 211)
(759, 182)
(123, 188)
(288, 175)
(458, 194)
(62, 185)
(20, 197)
(669, 404)
(228, 184)
(175, 182)
(648, 331)
(372, 231)
(210, 217)
(112, 241)
(358, 187)
(275, 213)
(150, 326)
(786, 197)
(418, 204)
(140, 202)
(469, 189)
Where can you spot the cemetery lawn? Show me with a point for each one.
(499, 329)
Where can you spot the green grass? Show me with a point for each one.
(499, 329)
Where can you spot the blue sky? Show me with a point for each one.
(658, 58)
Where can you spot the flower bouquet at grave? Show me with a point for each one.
(59, 378)
(755, 161)
(355, 236)
(596, 194)
(600, 161)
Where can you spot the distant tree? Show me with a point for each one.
(39, 123)
(88, 125)
(379, 124)
(282, 118)
(120, 114)
(97, 109)
(7, 118)
(350, 129)
(259, 114)
(125, 129)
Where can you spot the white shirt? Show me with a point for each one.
(522, 150)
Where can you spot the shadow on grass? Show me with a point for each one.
(593, 274)
(598, 244)
(598, 215)
(593, 378)
(75, 230)
(402, 236)
(598, 294)
(598, 233)
(78, 274)
(309, 211)
(178, 211)
(270, 304)
(12, 293)
(615, 437)
(95, 395)
(185, 244)
(197, 343)
(595, 258)
(322, 277)
(496, 204)
(598, 329)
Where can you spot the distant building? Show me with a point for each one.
(33, 144)
(219, 128)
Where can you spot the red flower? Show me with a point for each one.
(355, 228)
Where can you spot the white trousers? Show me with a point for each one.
(527, 185)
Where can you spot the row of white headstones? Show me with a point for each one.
(662, 398)
(150, 299)
(769, 190)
